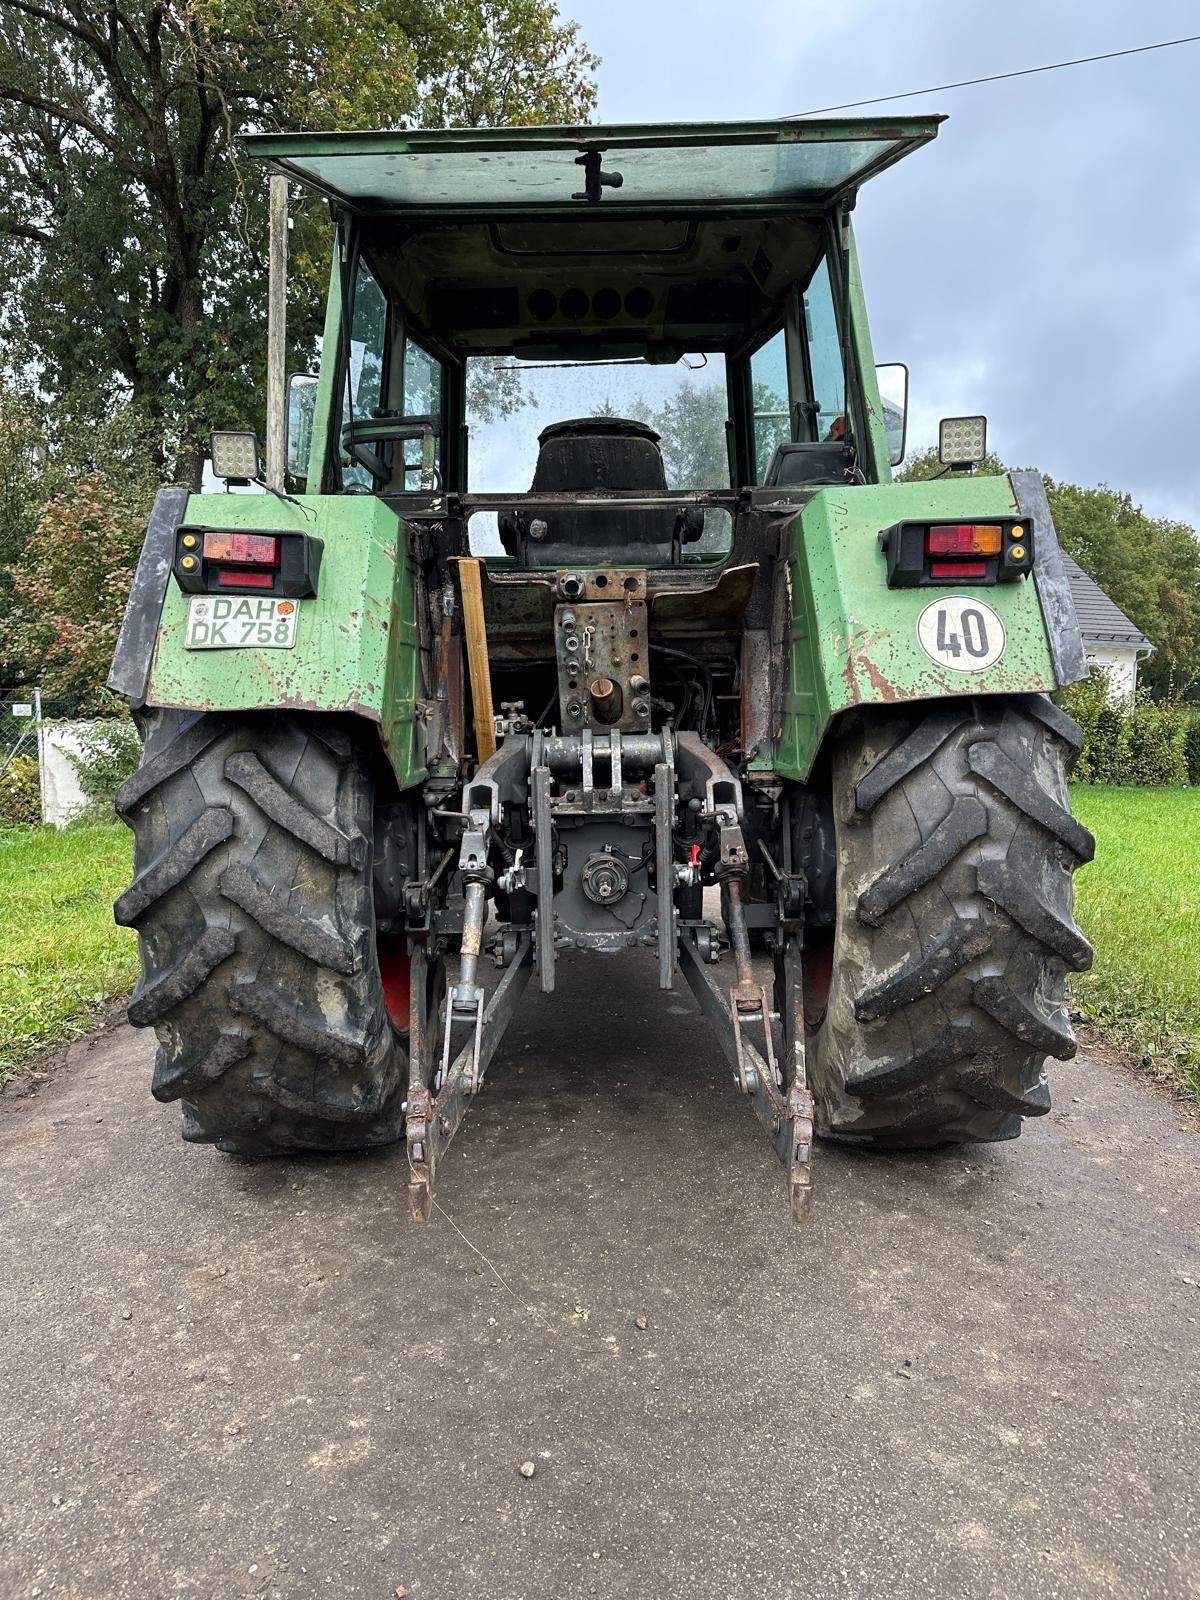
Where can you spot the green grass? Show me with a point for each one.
(1139, 904)
(61, 954)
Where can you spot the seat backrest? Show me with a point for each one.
(597, 454)
(793, 465)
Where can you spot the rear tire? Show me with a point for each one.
(253, 901)
(954, 928)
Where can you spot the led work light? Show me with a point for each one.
(962, 441)
(234, 457)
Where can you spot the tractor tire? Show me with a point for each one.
(953, 931)
(253, 902)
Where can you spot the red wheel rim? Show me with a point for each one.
(394, 964)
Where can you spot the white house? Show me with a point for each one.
(1110, 640)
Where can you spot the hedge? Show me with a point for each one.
(1132, 740)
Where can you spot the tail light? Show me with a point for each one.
(956, 571)
(237, 561)
(964, 539)
(235, 578)
(925, 554)
(250, 549)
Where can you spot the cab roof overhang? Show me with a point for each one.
(693, 167)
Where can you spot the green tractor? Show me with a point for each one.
(581, 588)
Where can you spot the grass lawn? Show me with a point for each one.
(1139, 904)
(61, 954)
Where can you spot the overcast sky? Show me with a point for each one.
(1040, 261)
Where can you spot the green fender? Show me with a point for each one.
(853, 641)
(356, 641)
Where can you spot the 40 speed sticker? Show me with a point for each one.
(965, 635)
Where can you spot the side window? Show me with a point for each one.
(368, 355)
(824, 353)
(772, 416)
(422, 398)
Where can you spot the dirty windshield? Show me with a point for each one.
(509, 402)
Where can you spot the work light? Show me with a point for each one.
(235, 457)
(962, 441)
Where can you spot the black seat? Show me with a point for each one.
(596, 455)
(795, 465)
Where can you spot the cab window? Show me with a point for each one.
(824, 352)
(423, 380)
(772, 407)
(366, 368)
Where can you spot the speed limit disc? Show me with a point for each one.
(964, 634)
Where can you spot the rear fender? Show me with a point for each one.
(852, 641)
(356, 640)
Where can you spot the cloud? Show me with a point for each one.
(1041, 260)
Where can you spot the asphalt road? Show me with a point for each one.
(969, 1375)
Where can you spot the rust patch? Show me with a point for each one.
(886, 691)
(858, 661)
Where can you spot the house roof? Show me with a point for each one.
(1101, 621)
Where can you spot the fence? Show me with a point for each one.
(38, 779)
(20, 721)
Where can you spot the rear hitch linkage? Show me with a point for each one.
(776, 1085)
(519, 771)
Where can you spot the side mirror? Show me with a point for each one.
(301, 413)
(962, 441)
(893, 395)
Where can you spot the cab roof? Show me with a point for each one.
(730, 166)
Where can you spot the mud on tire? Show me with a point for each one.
(954, 928)
(252, 898)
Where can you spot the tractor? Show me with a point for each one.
(577, 617)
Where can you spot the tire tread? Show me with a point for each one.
(955, 926)
(252, 897)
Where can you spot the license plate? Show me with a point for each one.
(240, 622)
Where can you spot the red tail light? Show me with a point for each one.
(239, 578)
(255, 549)
(964, 539)
(958, 569)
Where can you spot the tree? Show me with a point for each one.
(692, 428)
(82, 514)
(134, 233)
(927, 464)
(20, 462)
(1150, 566)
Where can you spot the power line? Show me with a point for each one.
(997, 77)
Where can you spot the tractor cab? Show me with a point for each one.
(493, 284)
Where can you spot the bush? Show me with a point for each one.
(69, 588)
(1087, 702)
(110, 754)
(1154, 737)
(1191, 749)
(1132, 740)
(21, 793)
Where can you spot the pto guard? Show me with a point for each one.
(856, 642)
(355, 649)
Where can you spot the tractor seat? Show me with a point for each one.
(590, 455)
(794, 466)
(598, 453)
